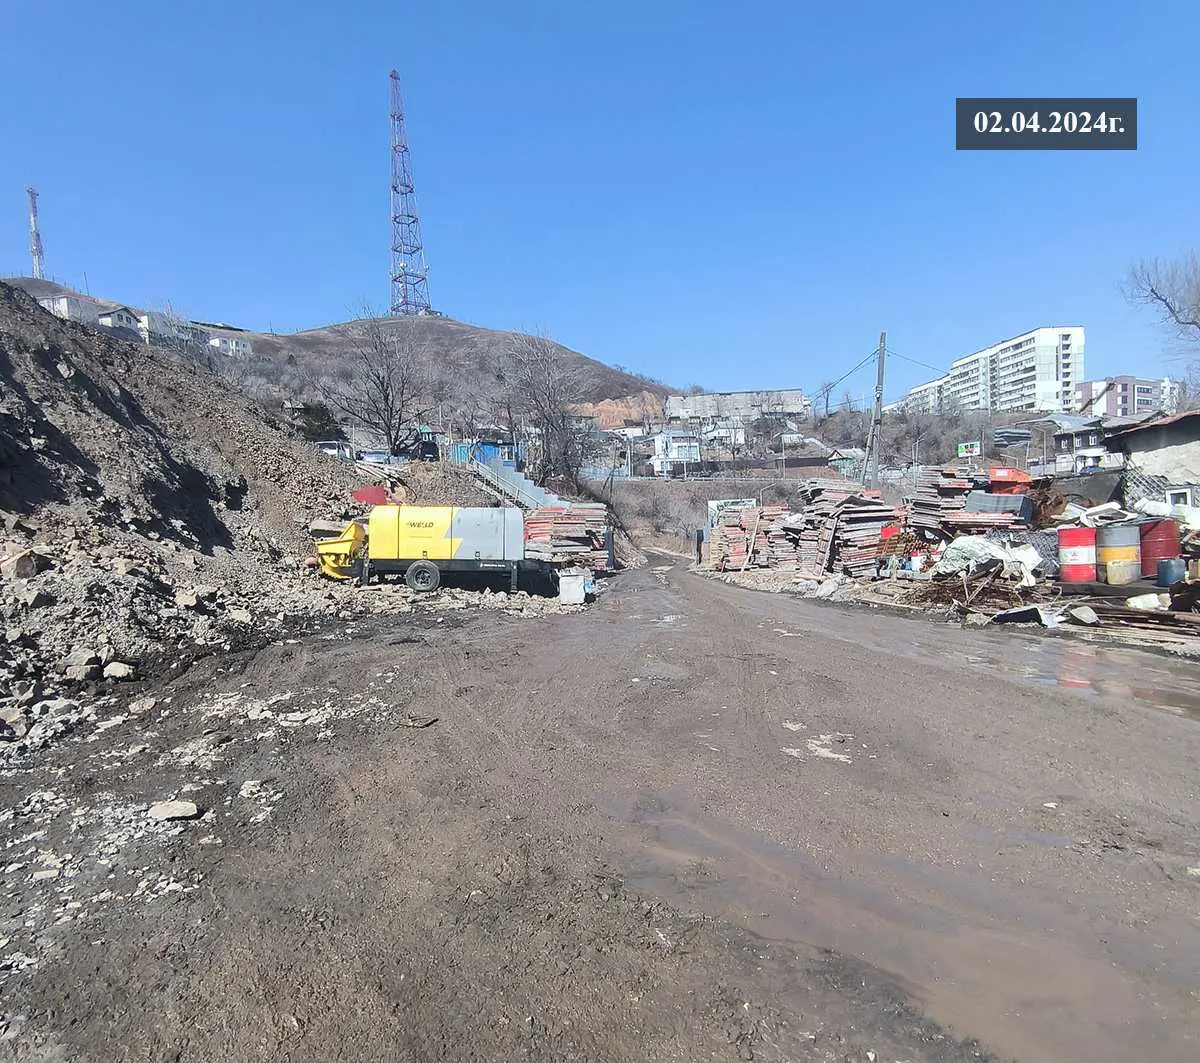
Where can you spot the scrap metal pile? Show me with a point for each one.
(569, 535)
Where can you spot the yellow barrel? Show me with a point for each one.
(1117, 542)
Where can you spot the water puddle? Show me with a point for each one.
(984, 960)
(1128, 675)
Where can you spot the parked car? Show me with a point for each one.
(338, 448)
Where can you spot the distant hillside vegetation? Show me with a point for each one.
(463, 360)
(460, 352)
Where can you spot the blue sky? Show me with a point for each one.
(736, 195)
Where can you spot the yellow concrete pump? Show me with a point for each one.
(422, 542)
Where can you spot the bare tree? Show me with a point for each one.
(386, 382)
(539, 384)
(1172, 289)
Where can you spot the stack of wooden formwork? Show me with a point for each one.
(568, 535)
(938, 493)
(843, 527)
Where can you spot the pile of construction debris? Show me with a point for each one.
(839, 529)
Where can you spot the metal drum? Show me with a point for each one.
(1077, 555)
(1160, 539)
(1117, 542)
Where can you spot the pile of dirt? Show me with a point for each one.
(148, 513)
(435, 484)
(99, 430)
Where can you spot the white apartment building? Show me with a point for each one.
(1036, 371)
(924, 398)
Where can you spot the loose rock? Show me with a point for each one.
(168, 810)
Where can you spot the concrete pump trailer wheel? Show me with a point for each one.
(423, 576)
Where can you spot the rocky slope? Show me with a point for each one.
(147, 512)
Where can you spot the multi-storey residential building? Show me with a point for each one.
(748, 405)
(924, 398)
(1036, 370)
(1126, 396)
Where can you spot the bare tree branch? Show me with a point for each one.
(1173, 290)
(539, 385)
(387, 380)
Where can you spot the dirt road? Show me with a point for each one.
(694, 822)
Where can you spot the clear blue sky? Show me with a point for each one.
(730, 194)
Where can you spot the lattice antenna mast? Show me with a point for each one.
(35, 236)
(410, 285)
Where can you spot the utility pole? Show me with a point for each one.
(35, 236)
(871, 464)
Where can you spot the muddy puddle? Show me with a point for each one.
(984, 960)
(1038, 659)
(1128, 675)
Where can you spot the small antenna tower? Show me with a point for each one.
(35, 236)
(410, 286)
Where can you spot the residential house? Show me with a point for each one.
(119, 317)
(73, 308)
(1081, 444)
(674, 450)
(169, 330)
(231, 346)
(1165, 447)
(727, 432)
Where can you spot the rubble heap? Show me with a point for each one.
(148, 512)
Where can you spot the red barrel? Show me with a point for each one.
(1077, 555)
(1160, 541)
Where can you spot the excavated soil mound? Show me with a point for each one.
(148, 514)
(97, 429)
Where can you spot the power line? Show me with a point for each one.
(915, 361)
(826, 388)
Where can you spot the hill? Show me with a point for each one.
(464, 358)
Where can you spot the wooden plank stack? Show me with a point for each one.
(568, 535)
(858, 534)
(939, 493)
(839, 530)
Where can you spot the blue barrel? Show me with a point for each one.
(1171, 570)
